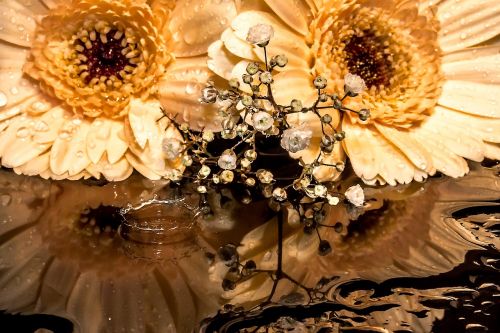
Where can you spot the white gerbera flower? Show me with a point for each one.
(431, 77)
(82, 83)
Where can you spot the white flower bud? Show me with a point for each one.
(227, 160)
(208, 136)
(320, 191)
(262, 121)
(264, 176)
(296, 139)
(332, 200)
(279, 194)
(172, 148)
(260, 34)
(227, 176)
(355, 195)
(353, 84)
(204, 171)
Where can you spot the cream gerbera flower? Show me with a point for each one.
(82, 82)
(432, 81)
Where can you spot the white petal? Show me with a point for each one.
(69, 151)
(237, 46)
(17, 22)
(180, 91)
(492, 151)
(467, 23)
(372, 155)
(117, 144)
(220, 60)
(453, 138)
(48, 125)
(142, 117)
(188, 16)
(471, 53)
(35, 166)
(473, 98)
(295, 13)
(487, 129)
(111, 171)
(21, 150)
(15, 88)
(16, 143)
(97, 138)
(481, 69)
(139, 166)
(443, 159)
(412, 149)
(294, 84)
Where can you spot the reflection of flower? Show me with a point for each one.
(424, 116)
(384, 242)
(85, 99)
(60, 254)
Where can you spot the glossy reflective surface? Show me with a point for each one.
(137, 256)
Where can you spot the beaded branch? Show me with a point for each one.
(251, 118)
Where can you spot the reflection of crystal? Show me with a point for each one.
(155, 227)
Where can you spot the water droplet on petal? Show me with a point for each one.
(14, 91)
(3, 99)
(41, 126)
(23, 132)
(5, 200)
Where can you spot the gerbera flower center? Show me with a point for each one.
(96, 58)
(106, 57)
(396, 54)
(368, 58)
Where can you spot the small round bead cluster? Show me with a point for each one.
(250, 114)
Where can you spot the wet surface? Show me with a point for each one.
(418, 258)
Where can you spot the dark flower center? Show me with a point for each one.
(368, 57)
(103, 219)
(106, 57)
